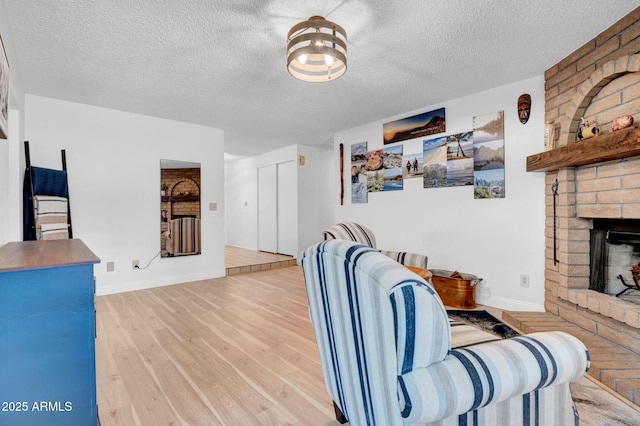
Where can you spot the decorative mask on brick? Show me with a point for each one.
(524, 107)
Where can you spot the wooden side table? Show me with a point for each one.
(424, 273)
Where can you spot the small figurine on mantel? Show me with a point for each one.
(622, 123)
(587, 129)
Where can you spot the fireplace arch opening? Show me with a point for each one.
(590, 88)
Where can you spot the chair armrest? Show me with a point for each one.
(478, 375)
(407, 259)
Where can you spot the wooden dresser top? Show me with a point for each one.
(28, 255)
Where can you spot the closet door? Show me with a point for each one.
(287, 209)
(268, 208)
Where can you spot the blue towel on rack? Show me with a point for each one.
(49, 182)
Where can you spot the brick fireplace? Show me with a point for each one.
(598, 178)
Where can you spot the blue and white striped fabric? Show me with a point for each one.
(385, 346)
(361, 234)
(50, 214)
(477, 376)
(421, 325)
(52, 231)
(351, 232)
(50, 209)
(408, 259)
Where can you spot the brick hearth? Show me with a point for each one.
(614, 366)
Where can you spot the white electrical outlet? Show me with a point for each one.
(111, 266)
(135, 264)
(524, 280)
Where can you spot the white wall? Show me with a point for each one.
(15, 176)
(11, 175)
(113, 160)
(11, 162)
(241, 203)
(497, 240)
(314, 212)
(241, 180)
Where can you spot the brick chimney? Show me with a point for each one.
(600, 81)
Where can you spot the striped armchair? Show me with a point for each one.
(355, 232)
(385, 346)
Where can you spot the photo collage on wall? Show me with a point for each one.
(434, 153)
(412, 165)
(448, 161)
(472, 158)
(359, 173)
(375, 176)
(417, 126)
(392, 168)
(488, 154)
(375, 171)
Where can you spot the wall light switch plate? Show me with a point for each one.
(111, 266)
(213, 207)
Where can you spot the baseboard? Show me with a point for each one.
(242, 247)
(144, 284)
(507, 304)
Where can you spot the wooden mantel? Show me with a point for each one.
(610, 146)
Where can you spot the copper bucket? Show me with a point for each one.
(456, 289)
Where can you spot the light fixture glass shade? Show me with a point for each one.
(317, 50)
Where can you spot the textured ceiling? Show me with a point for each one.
(222, 63)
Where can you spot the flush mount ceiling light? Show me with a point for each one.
(317, 50)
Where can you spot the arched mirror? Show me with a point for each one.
(179, 208)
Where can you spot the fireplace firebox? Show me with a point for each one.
(615, 258)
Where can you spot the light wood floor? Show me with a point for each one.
(239, 260)
(237, 350)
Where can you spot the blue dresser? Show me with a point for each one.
(47, 334)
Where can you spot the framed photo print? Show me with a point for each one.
(4, 92)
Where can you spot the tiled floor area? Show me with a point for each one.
(240, 261)
(615, 367)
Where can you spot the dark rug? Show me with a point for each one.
(483, 320)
